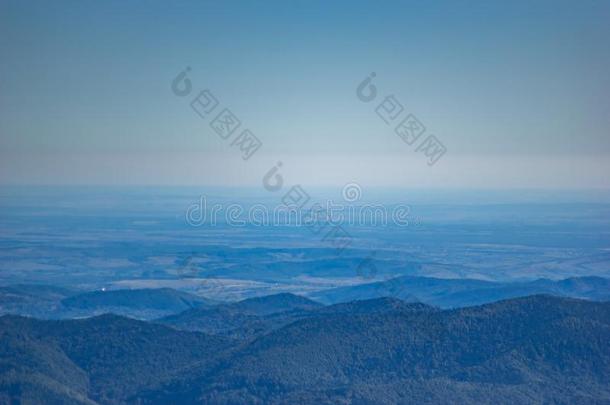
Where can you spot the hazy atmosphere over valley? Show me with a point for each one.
(304, 202)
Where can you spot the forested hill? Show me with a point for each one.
(537, 349)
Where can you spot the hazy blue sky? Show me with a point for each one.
(517, 91)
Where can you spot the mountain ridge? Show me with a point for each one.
(450, 293)
(539, 348)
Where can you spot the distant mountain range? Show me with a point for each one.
(56, 303)
(49, 302)
(140, 303)
(456, 293)
(536, 349)
(32, 299)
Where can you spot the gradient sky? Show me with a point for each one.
(517, 91)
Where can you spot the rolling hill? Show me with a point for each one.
(538, 349)
(455, 293)
(139, 303)
(102, 359)
(32, 299)
(246, 318)
(535, 349)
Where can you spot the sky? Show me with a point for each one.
(516, 92)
